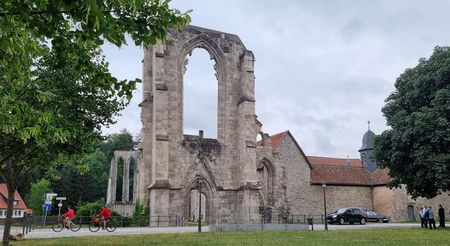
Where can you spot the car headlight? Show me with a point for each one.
(334, 216)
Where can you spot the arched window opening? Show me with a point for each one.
(132, 177)
(200, 95)
(194, 206)
(266, 178)
(119, 183)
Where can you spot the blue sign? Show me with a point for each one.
(47, 207)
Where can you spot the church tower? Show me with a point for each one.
(366, 151)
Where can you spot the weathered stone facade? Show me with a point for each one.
(241, 180)
(173, 161)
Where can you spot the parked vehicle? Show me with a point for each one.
(377, 217)
(350, 215)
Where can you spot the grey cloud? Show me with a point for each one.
(323, 68)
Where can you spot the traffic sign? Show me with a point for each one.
(48, 202)
(61, 198)
(59, 204)
(49, 196)
(47, 207)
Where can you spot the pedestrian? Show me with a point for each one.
(441, 213)
(425, 215)
(431, 218)
(422, 218)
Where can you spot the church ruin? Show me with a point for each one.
(242, 180)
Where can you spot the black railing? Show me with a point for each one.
(292, 219)
(29, 223)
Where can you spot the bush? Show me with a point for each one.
(89, 208)
(141, 215)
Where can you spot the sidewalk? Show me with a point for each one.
(84, 232)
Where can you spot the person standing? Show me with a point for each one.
(422, 217)
(441, 213)
(431, 221)
(425, 215)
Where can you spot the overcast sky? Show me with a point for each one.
(323, 68)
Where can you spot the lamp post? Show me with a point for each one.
(199, 186)
(325, 205)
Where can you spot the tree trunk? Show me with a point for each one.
(11, 185)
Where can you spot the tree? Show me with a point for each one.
(37, 192)
(55, 88)
(416, 148)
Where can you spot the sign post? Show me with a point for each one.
(47, 207)
(60, 199)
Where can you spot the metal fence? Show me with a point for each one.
(292, 219)
(29, 223)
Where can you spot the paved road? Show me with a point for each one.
(48, 233)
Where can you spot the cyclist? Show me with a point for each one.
(68, 216)
(105, 215)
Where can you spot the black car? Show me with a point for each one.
(350, 215)
(377, 217)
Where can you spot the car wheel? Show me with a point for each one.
(363, 221)
(380, 220)
(341, 221)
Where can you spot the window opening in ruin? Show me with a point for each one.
(119, 183)
(132, 178)
(200, 95)
(194, 208)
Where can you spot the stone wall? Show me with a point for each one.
(395, 202)
(175, 161)
(304, 198)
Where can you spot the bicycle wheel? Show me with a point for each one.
(110, 226)
(75, 227)
(59, 226)
(93, 227)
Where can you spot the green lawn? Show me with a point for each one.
(348, 237)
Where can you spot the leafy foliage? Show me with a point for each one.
(55, 88)
(416, 149)
(141, 214)
(89, 208)
(35, 198)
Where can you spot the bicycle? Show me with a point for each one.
(97, 223)
(61, 224)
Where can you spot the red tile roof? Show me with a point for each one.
(336, 171)
(4, 198)
(318, 160)
(274, 139)
(348, 175)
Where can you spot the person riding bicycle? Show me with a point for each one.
(105, 215)
(68, 216)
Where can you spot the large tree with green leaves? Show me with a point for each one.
(416, 149)
(55, 88)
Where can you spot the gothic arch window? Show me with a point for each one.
(200, 94)
(266, 174)
(217, 58)
(119, 184)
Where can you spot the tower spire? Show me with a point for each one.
(368, 123)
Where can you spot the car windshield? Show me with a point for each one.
(341, 210)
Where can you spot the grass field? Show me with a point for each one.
(348, 237)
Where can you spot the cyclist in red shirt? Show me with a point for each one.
(68, 216)
(105, 215)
